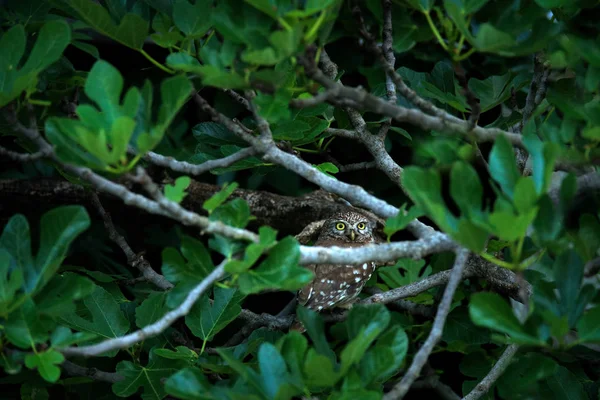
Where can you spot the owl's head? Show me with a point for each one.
(348, 227)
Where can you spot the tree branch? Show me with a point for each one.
(400, 389)
(92, 373)
(22, 157)
(135, 260)
(153, 329)
(198, 169)
(440, 121)
(486, 384)
(355, 194)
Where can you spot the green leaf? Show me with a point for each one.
(365, 323)
(9, 284)
(279, 271)
(543, 156)
(187, 274)
(177, 192)
(386, 357)
(588, 327)
(425, 188)
(46, 363)
(24, 328)
(318, 370)
(107, 320)
(412, 272)
(148, 377)
(401, 220)
(131, 31)
(190, 384)
(181, 353)
(565, 385)
(460, 328)
(492, 40)
(314, 325)
(52, 39)
(524, 375)
(328, 168)
(58, 228)
(494, 90)
(59, 295)
(234, 213)
(492, 311)
(276, 381)
(151, 309)
(219, 198)
(205, 320)
(421, 5)
(215, 134)
(466, 190)
(193, 20)
(274, 108)
(568, 274)
(503, 167)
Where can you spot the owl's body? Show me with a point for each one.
(338, 285)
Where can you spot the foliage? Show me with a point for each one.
(532, 65)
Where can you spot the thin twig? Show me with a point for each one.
(497, 370)
(358, 166)
(433, 383)
(198, 169)
(22, 157)
(400, 389)
(135, 260)
(238, 97)
(443, 122)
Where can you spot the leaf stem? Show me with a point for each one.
(435, 30)
(43, 103)
(465, 55)
(306, 150)
(285, 25)
(496, 261)
(156, 63)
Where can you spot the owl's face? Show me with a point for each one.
(348, 228)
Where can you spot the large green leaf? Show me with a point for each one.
(149, 377)
(186, 274)
(193, 20)
(24, 328)
(51, 41)
(10, 282)
(58, 228)
(279, 271)
(107, 320)
(503, 167)
(365, 323)
(491, 311)
(206, 320)
(131, 31)
(151, 309)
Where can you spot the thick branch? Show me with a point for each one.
(486, 384)
(92, 373)
(355, 194)
(422, 355)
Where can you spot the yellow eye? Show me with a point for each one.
(340, 226)
(361, 226)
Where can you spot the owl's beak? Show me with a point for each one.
(352, 235)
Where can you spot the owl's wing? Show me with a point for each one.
(306, 292)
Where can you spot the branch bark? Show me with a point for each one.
(400, 389)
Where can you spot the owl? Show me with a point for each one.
(338, 285)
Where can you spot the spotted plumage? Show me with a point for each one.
(338, 285)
